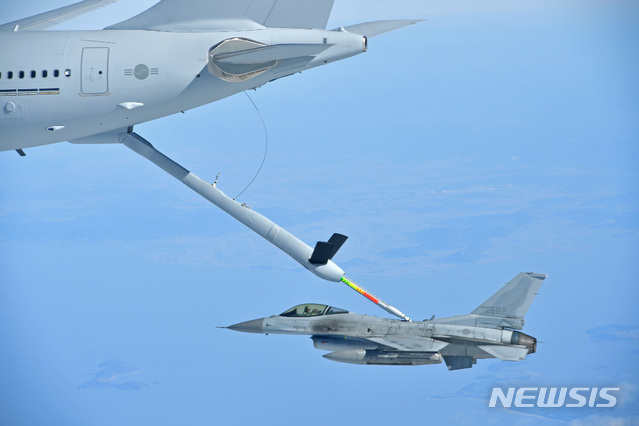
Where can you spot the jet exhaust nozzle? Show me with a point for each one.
(523, 339)
(513, 337)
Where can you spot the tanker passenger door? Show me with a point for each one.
(95, 63)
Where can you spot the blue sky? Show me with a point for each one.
(493, 138)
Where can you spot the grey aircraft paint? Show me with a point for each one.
(92, 87)
(490, 331)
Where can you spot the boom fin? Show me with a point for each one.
(324, 251)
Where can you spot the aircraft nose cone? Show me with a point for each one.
(253, 326)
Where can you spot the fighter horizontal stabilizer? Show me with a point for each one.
(324, 251)
(505, 353)
(54, 17)
(372, 29)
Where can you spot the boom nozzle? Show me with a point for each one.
(385, 306)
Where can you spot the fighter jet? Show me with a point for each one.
(490, 331)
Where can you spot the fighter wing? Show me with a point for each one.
(207, 15)
(409, 344)
(55, 17)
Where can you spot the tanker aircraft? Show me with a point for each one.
(490, 331)
(93, 87)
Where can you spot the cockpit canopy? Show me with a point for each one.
(312, 310)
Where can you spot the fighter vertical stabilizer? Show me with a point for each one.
(506, 308)
(513, 299)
